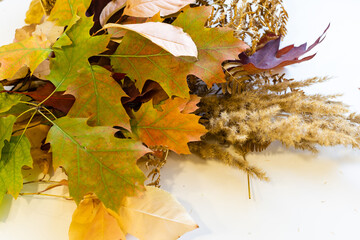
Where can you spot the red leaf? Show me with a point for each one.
(58, 100)
(270, 56)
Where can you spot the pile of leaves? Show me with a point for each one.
(96, 87)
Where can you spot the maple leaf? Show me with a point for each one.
(92, 220)
(15, 155)
(156, 215)
(99, 97)
(30, 52)
(270, 56)
(141, 59)
(86, 152)
(72, 51)
(145, 8)
(169, 127)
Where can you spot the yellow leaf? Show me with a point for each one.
(35, 12)
(156, 215)
(30, 52)
(93, 221)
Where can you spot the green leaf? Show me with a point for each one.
(96, 161)
(98, 96)
(70, 59)
(6, 126)
(15, 155)
(141, 59)
(7, 101)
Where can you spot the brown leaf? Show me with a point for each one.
(190, 105)
(36, 136)
(111, 8)
(58, 100)
(270, 57)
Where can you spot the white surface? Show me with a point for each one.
(308, 197)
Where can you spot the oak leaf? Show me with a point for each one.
(172, 39)
(6, 127)
(270, 56)
(156, 215)
(141, 59)
(92, 220)
(64, 11)
(30, 52)
(85, 152)
(168, 127)
(145, 8)
(98, 96)
(72, 51)
(15, 154)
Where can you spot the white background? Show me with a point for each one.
(309, 196)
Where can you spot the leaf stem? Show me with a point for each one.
(248, 182)
(46, 194)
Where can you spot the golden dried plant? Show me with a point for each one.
(250, 19)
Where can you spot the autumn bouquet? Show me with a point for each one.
(99, 88)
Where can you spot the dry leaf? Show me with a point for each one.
(156, 215)
(42, 70)
(171, 38)
(93, 221)
(111, 8)
(146, 8)
(35, 12)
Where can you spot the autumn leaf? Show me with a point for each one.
(64, 11)
(145, 8)
(36, 136)
(270, 57)
(169, 127)
(35, 12)
(150, 91)
(172, 39)
(142, 60)
(92, 220)
(86, 151)
(72, 51)
(6, 127)
(111, 8)
(30, 52)
(7, 101)
(58, 100)
(15, 155)
(190, 105)
(156, 215)
(98, 96)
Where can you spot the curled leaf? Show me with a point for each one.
(111, 8)
(171, 38)
(146, 8)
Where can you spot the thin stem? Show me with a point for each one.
(46, 194)
(248, 181)
(46, 117)
(29, 103)
(40, 181)
(50, 112)
(26, 112)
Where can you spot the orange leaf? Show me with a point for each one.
(92, 220)
(169, 127)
